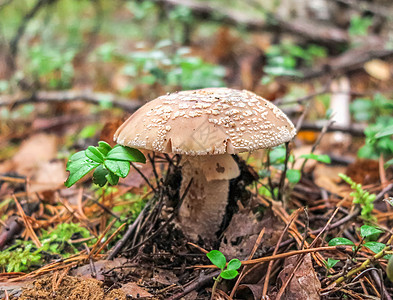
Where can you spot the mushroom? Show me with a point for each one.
(206, 127)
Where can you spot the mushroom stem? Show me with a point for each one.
(204, 205)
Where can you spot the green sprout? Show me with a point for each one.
(109, 163)
(228, 271)
(361, 197)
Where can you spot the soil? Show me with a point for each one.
(70, 288)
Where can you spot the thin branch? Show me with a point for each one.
(71, 96)
(26, 19)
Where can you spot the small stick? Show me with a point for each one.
(278, 256)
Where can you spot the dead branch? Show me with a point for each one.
(350, 60)
(310, 31)
(354, 131)
(70, 96)
(26, 19)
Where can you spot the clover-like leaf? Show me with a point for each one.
(118, 167)
(104, 147)
(217, 258)
(367, 231)
(375, 246)
(94, 154)
(99, 176)
(340, 241)
(234, 264)
(112, 178)
(229, 274)
(78, 166)
(126, 154)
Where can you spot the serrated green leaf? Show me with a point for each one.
(293, 175)
(340, 241)
(318, 157)
(375, 246)
(217, 258)
(118, 167)
(234, 264)
(79, 167)
(99, 176)
(94, 154)
(229, 274)
(126, 154)
(112, 178)
(367, 230)
(104, 147)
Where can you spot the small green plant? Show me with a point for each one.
(284, 59)
(228, 271)
(359, 25)
(180, 69)
(23, 255)
(109, 163)
(361, 197)
(377, 112)
(330, 263)
(20, 257)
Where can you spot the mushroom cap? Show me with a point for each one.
(206, 122)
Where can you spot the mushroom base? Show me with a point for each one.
(204, 205)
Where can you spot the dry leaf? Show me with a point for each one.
(304, 283)
(378, 69)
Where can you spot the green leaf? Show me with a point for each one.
(318, 157)
(367, 230)
(217, 258)
(99, 176)
(234, 264)
(293, 175)
(389, 163)
(119, 167)
(94, 154)
(375, 246)
(330, 263)
(112, 178)
(78, 166)
(126, 154)
(387, 131)
(340, 241)
(229, 274)
(104, 147)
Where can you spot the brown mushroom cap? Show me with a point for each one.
(205, 122)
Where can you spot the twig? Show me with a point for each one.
(144, 178)
(129, 105)
(311, 32)
(241, 275)
(279, 256)
(269, 268)
(26, 19)
(130, 230)
(93, 271)
(284, 172)
(198, 283)
(28, 226)
(364, 265)
(170, 219)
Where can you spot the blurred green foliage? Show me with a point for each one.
(23, 255)
(285, 59)
(378, 114)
